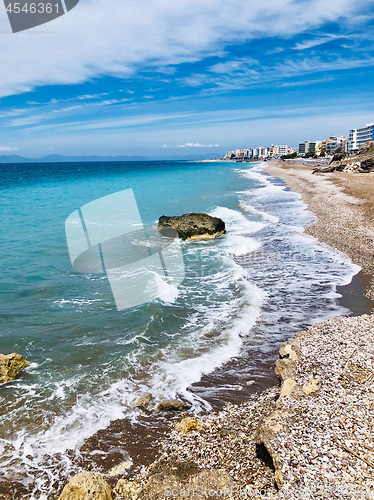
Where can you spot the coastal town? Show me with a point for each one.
(308, 149)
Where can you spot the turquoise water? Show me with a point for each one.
(88, 361)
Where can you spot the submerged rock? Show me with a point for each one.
(192, 226)
(143, 402)
(86, 486)
(10, 366)
(172, 405)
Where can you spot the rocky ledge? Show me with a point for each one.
(191, 226)
(312, 437)
(362, 162)
(10, 366)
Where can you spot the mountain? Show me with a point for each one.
(63, 159)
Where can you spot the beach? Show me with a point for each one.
(214, 345)
(344, 205)
(311, 436)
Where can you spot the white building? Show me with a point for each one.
(359, 136)
(282, 149)
(334, 142)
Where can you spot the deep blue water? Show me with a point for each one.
(88, 361)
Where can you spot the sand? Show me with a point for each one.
(344, 206)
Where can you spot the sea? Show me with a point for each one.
(206, 340)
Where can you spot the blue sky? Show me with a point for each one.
(159, 78)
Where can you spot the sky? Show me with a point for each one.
(158, 78)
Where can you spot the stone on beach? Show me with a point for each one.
(192, 226)
(86, 486)
(10, 366)
(189, 424)
(322, 433)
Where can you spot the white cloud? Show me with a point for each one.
(5, 148)
(116, 38)
(313, 43)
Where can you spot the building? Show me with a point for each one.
(359, 136)
(334, 142)
(306, 147)
(280, 150)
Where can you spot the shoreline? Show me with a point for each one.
(154, 432)
(344, 210)
(265, 449)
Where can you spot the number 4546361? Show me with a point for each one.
(32, 8)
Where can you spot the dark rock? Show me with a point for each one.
(367, 165)
(192, 226)
(10, 366)
(337, 157)
(172, 405)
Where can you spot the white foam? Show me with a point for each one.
(252, 210)
(236, 222)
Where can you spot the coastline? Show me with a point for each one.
(231, 432)
(344, 209)
(252, 447)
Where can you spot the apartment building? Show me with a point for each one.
(359, 136)
(306, 147)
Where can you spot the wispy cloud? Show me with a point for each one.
(277, 73)
(6, 148)
(313, 43)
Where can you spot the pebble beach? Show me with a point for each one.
(311, 437)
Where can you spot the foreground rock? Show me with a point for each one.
(177, 479)
(87, 486)
(10, 366)
(361, 162)
(189, 424)
(192, 226)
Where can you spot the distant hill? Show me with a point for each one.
(60, 158)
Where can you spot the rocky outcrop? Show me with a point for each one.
(172, 405)
(10, 366)
(192, 226)
(87, 486)
(361, 162)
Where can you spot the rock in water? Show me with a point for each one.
(172, 405)
(10, 366)
(192, 226)
(86, 486)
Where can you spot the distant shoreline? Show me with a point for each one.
(344, 206)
